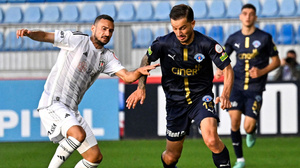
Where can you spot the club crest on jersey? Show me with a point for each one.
(199, 57)
(256, 43)
(207, 98)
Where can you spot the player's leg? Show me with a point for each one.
(75, 136)
(89, 148)
(236, 137)
(172, 153)
(253, 106)
(210, 136)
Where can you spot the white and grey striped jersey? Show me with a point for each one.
(78, 65)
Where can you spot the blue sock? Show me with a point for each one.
(236, 138)
(222, 160)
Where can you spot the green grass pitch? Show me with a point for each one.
(268, 152)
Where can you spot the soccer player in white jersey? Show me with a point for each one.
(80, 61)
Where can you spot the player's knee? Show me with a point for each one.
(171, 158)
(77, 132)
(249, 128)
(211, 142)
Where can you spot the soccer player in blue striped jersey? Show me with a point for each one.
(253, 48)
(186, 58)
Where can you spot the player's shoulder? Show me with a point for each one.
(109, 54)
(260, 32)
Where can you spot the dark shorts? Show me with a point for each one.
(179, 118)
(248, 102)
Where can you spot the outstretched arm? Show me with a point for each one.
(228, 82)
(36, 35)
(140, 93)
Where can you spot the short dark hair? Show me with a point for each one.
(292, 52)
(182, 11)
(249, 6)
(107, 17)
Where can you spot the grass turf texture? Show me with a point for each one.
(268, 152)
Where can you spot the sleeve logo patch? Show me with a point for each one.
(149, 51)
(199, 57)
(218, 48)
(224, 56)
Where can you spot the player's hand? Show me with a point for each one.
(255, 72)
(22, 32)
(145, 70)
(219, 73)
(225, 102)
(138, 95)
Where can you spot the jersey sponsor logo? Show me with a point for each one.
(248, 56)
(224, 56)
(175, 134)
(171, 56)
(218, 48)
(207, 98)
(149, 51)
(199, 57)
(186, 72)
(256, 43)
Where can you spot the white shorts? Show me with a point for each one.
(58, 118)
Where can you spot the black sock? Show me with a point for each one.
(236, 138)
(222, 159)
(173, 165)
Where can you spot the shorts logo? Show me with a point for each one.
(234, 104)
(62, 34)
(175, 134)
(256, 43)
(199, 57)
(207, 98)
(258, 98)
(52, 129)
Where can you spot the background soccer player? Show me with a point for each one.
(186, 58)
(80, 61)
(253, 49)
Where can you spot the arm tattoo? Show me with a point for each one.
(143, 78)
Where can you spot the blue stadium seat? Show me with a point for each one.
(1, 41)
(200, 29)
(231, 29)
(35, 1)
(270, 8)
(145, 12)
(287, 8)
(1, 15)
(297, 38)
(51, 14)
(29, 44)
(126, 12)
(257, 5)
(32, 14)
(298, 9)
(181, 2)
(200, 9)
(217, 9)
(16, 1)
(161, 31)
(70, 13)
(11, 42)
(109, 9)
(286, 34)
(13, 14)
(144, 38)
(162, 11)
(234, 8)
(3, 1)
(271, 28)
(88, 13)
(217, 33)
